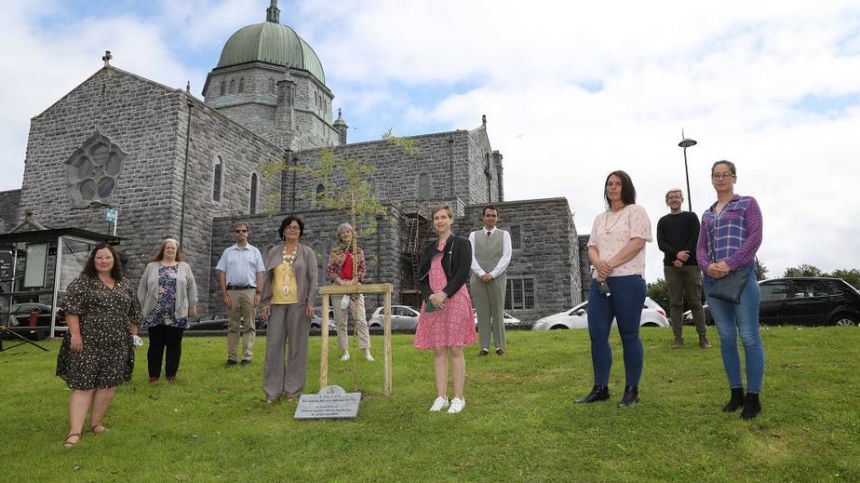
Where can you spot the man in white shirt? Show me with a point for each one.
(240, 274)
(491, 254)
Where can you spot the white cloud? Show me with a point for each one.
(574, 89)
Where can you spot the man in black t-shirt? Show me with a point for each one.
(677, 234)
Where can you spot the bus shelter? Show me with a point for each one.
(36, 267)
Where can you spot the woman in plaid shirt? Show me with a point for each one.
(728, 241)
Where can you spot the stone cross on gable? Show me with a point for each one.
(107, 57)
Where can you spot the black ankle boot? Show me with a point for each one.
(752, 406)
(631, 396)
(598, 393)
(736, 401)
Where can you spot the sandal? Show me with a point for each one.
(98, 428)
(68, 443)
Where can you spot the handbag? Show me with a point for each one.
(730, 287)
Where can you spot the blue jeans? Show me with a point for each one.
(734, 319)
(625, 305)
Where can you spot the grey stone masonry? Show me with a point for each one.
(9, 201)
(286, 106)
(154, 197)
(381, 248)
(446, 161)
(548, 253)
(584, 265)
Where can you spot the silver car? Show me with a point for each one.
(403, 318)
(577, 318)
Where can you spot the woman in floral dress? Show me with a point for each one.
(168, 294)
(446, 323)
(97, 353)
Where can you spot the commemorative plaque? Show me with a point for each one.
(332, 402)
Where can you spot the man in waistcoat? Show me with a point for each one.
(677, 234)
(240, 275)
(491, 254)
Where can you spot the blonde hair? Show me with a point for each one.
(440, 208)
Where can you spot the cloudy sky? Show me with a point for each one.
(571, 90)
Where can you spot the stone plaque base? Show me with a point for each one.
(332, 402)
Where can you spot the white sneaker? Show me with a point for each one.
(369, 357)
(457, 405)
(345, 356)
(439, 404)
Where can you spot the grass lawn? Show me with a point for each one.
(519, 423)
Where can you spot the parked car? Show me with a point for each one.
(217, 321)
(509, 319)
(803, 301)
(403, 318)
(577, 318)
(316, 320)
(20, 315)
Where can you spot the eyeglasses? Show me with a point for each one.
(722, 175)
(292, 227)
(241, 231)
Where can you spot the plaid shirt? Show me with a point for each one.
(733, 235)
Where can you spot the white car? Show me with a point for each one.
(577, 318)
(509, 319)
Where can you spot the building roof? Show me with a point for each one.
(272, 43)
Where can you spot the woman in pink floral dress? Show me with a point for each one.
(446, 323)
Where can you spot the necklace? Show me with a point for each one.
(289, 258)
(607, 229)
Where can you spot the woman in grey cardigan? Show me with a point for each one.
(288, 299)
(168, 294)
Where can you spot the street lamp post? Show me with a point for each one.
(686, 143)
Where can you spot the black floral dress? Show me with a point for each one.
(106, 314)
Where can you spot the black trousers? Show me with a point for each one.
(161, 337)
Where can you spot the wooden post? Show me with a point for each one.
(387, 343)
(324, 347)
(374, 288)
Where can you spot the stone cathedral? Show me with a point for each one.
(174, 165)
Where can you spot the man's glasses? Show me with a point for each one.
(241, 231)
(722, 175)
(292, 227)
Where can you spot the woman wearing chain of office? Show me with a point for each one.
(289, 292)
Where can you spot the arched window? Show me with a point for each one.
(423, 186)
(218, 178)
(320, 196)
(241, 84)
(272, 86)
(223, 87)
(232, 86)
(252, 208)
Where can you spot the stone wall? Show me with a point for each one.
(149, 122)
(481, 159)
(443, 157)
(139, 116)
(9, 201)
(548, 251)
(584, 265)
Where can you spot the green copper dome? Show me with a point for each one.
(272, 43)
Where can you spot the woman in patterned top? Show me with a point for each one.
(728, 241)
(446, 323)
(168, 294)
(616, 251)
(97, 352)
